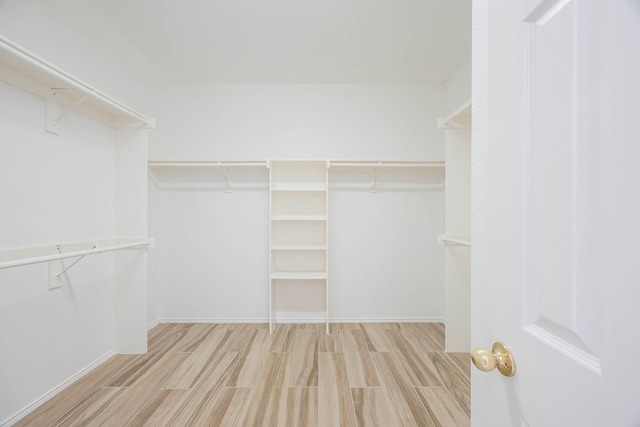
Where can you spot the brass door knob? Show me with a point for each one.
(498, 357)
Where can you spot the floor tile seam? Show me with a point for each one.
(384, 383)
(456, 400)
(144, 404)
(416, 371)
(430, 413)
(63, 417)
(452, 398)
(455, 369)
(416, 397)
(456, 366)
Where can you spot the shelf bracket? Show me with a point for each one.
(227, 181)
(78, 103)
(51, 113)
(374, 178)
(53, 118)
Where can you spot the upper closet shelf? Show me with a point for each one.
(460, 118)
(386, 175)
(63, 92)
(210, 174)
(203, 166)
(207, 166)
(398, 166)
(228, 174)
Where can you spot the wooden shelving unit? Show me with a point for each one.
(298, 201)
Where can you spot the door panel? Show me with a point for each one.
(556, 211)
(561, 302)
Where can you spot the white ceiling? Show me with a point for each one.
(296, 41)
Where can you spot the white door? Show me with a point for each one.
(556, 211)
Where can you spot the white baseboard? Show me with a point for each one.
(307, 320)
(33, 405)
(153, 324)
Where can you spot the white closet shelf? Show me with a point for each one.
(198, 173)
(34, 255)
(298, 247)
(387, 175)
(187, 166)
(457, 239)
(405, 166)
(421, 174)
(24, 69)
(299, 276)
(460, 118)
(299, 189)
(299, 218)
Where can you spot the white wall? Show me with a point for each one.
(75, 38)
(299, 122)
(457, 258)
(213, 246)
(131, 221)
(456, 92)
(384, 262)
(55, 189)
(153, 210)
(213, 252)
(58, 189)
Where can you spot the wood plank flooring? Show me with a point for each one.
(374, 374)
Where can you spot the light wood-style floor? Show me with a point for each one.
(386, 375)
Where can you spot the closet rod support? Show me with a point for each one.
(374, 177)
(53, 106)
(227, 180)
(71, 109)
(73, 263)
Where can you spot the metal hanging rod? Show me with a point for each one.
(95, 250)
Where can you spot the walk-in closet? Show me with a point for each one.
(173, 229)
